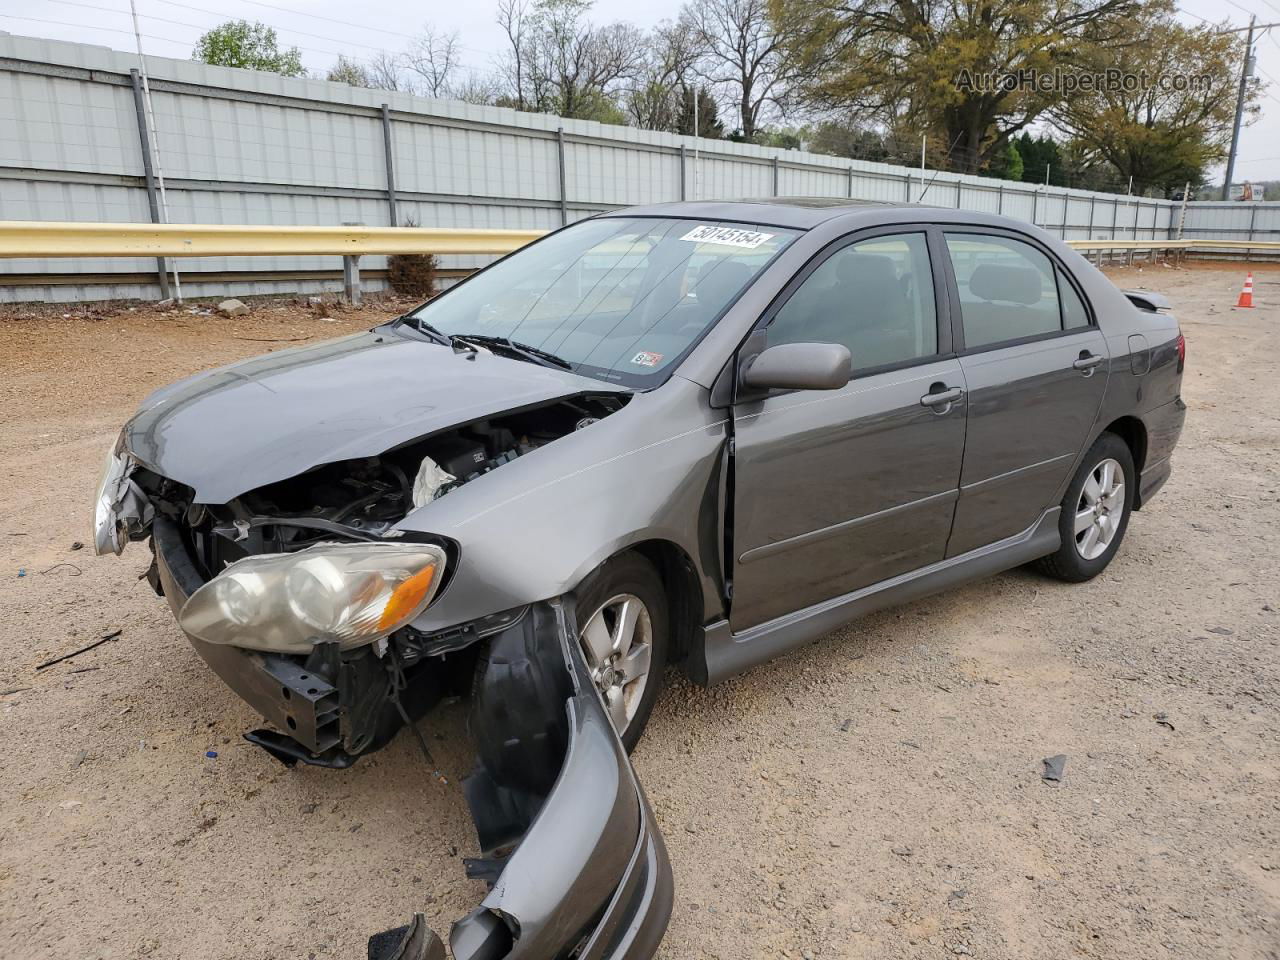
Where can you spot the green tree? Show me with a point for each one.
(1177, 124)
(1012, 166)
(1039, 155)
(253, 46)
(709, 124)
(924, 63)
(348, 71)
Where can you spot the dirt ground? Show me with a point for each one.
(877, 795)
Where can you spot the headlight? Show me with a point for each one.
(108, 528)
(349, 593)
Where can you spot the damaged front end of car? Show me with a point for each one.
(301, 593)
(305, 612)
(310, 516)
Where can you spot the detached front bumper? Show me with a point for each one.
(569, 841)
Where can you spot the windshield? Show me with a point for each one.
(620, 299)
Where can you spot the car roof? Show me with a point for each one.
(805, 213)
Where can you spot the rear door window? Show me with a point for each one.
(1008, 289)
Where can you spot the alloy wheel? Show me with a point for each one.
(617, 642)
(1100, 509)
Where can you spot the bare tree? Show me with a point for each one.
(512, 15)
(742, 55)
(386, 70)
(559, 62)
(477, 88)
(658, 92)
(434, 57)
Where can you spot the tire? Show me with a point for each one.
(602, 597)
(1083, 555)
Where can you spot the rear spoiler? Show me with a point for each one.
(1148, 300)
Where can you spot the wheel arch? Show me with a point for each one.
(680, 582)
(1133, 432)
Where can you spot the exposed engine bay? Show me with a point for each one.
(362, 499)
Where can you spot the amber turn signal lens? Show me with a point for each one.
(406, 598)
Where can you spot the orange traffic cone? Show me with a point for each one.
(1246, 295)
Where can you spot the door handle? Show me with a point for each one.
(1087, 361)
(941, 398)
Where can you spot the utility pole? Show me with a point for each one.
(153, 139)
(1246, 71)
(924, 138)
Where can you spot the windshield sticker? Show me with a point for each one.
(727, 236)
(646, 359)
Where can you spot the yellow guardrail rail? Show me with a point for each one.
(1173, 244)
(20, 238)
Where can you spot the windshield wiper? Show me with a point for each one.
(522, 350)
(428, 329)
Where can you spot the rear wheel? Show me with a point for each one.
(623, 630)
(1095, 512)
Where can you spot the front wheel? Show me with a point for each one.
(623, 629)
(1095, 512)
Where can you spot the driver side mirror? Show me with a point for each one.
(799, 366)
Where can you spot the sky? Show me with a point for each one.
(323, 29)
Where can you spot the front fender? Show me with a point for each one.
(535, 527)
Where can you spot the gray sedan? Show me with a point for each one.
(697, 434)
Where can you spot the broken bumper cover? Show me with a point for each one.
(578, 868)
(590, 875)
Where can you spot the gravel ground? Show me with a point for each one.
(877, 795)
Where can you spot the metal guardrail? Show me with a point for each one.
(1179, 248)
(19, 238)
(69, 239)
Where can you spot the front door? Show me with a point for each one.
(837, 490)
(1036, 368)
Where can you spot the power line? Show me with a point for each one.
(81, 26)
(310, 16)
(1240, 7)
(215, 13)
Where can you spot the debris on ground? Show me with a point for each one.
(232, 308)
(1162, 719)
(75, 571)
(1053, 768)
(85, 649)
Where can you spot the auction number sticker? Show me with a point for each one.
(727, 236)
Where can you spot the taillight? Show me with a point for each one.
(1182, 352)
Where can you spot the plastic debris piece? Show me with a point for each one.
(1053, 768)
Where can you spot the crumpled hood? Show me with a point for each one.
(236, 428)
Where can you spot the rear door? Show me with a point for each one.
(1036, 367)
(835, 490)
